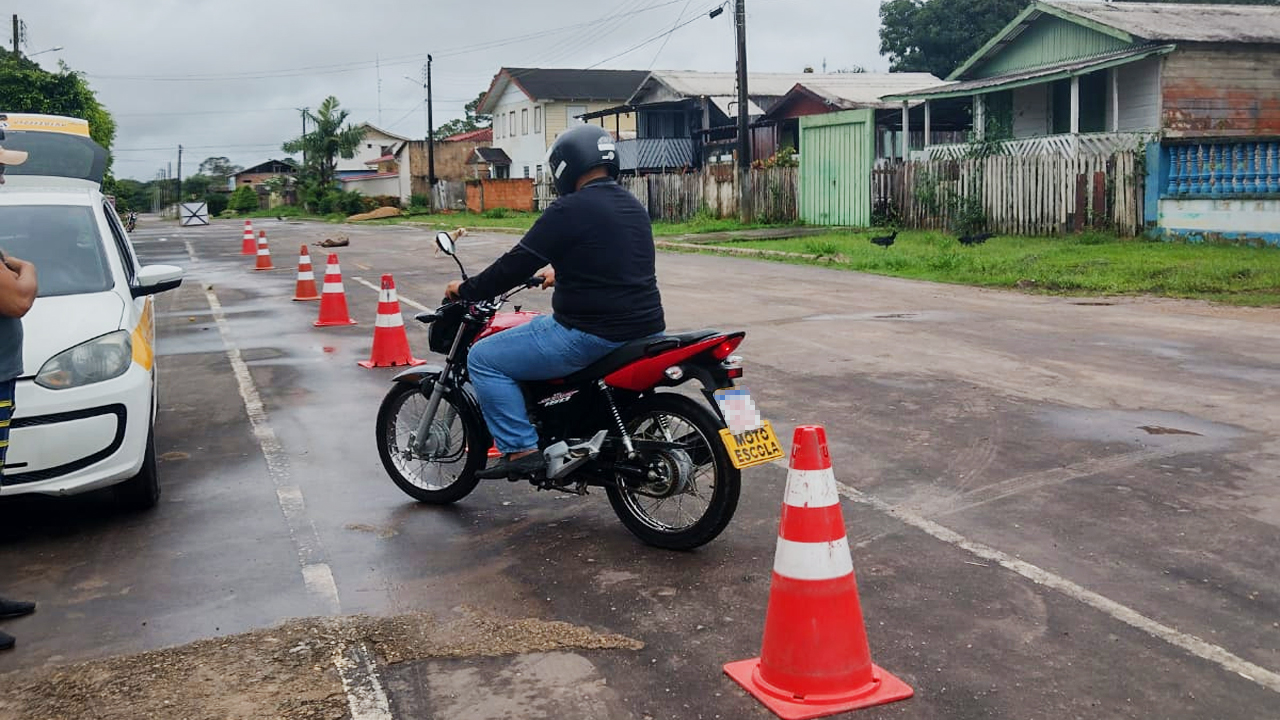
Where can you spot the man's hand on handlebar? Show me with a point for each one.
(451, 290)
(548, 278)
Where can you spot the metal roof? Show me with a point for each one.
(865, 90)
(1032, 77)
(491, 155)
(1182, 22)
(668, 85)
(564, 84)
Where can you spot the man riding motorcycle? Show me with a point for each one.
(598, 240)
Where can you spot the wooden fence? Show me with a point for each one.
(676, 197)
(1019, 195)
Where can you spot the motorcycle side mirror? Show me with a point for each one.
(444, 241)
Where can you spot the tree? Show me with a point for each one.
(244, 199)
(936, 36)
(197, 186)
(472, 121)
(326, 142)
(27, 87)
(219, 170)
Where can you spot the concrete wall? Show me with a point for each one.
(379, 185)
(510, 194)
(1221, 91)
(1243, 219)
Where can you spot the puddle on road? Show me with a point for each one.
(1146, 427)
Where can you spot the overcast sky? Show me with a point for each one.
(227, 77)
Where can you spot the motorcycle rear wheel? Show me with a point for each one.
(695, 516)
(449, 474)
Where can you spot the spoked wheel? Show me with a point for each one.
(692, 491)
(445, 472)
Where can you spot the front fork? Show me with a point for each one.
(418, 441)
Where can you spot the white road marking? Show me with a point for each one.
(315, 571)
(365, 697)
(402, 298)
(1192, 644)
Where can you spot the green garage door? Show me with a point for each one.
(837, 151)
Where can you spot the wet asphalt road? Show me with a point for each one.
(1057, 509)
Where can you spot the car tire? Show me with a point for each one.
(142, 491)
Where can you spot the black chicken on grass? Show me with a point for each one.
(884, 241)
(978, 239)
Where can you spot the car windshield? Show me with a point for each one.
(62, 241)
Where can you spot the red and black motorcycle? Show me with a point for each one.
(670, 467)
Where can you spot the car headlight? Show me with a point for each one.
(99, 359)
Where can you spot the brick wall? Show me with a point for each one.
(510, 194)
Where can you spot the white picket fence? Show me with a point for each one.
(1019, 194)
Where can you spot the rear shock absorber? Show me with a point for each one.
(617, 419)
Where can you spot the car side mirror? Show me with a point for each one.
(444, 241)
(154, 279)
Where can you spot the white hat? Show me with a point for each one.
(12, 157)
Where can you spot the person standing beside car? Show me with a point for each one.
(17, 294)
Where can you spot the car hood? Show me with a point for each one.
(60, 323)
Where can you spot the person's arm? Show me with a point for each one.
(505, 273)
(17, 287)
(537, 249)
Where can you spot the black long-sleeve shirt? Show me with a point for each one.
(600, 242)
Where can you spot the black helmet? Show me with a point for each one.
(576, 151)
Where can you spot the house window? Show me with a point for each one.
(524, 121)
(572, 114)
(369, 146)
(511, 123)
(538, 173)
(537, 119)
(1093, 103)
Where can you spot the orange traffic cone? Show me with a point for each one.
(249, 246)
(306, 286)
(814, 660)
(390, 343)
(333, 301)
(264, 253)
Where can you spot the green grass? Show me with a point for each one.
(703, 224)
(523, 221)
(1085, 264)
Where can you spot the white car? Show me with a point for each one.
(85, 404)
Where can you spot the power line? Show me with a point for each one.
(668, 37)
(338, 68)
(655, 38)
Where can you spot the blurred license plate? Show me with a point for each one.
(752, 447)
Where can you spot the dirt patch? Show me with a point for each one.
(378, 214)
(283, 673)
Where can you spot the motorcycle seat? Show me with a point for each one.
(635, 350)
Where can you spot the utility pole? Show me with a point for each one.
(431, 139)
(179, 174)
(17, 34)
(744, 140)
(304, 134)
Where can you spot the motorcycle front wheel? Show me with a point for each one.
(446, 472)
(693, 491)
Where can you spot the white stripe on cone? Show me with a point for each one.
(304, 260)
(389, 321)
(387, 296)
(332, 287)
(813, 561)
(811, 488)
(306, 275)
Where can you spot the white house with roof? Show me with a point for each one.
(531, 106)
(378, 146)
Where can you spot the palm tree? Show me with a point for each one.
(326, 142)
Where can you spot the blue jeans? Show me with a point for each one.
(541, 349)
